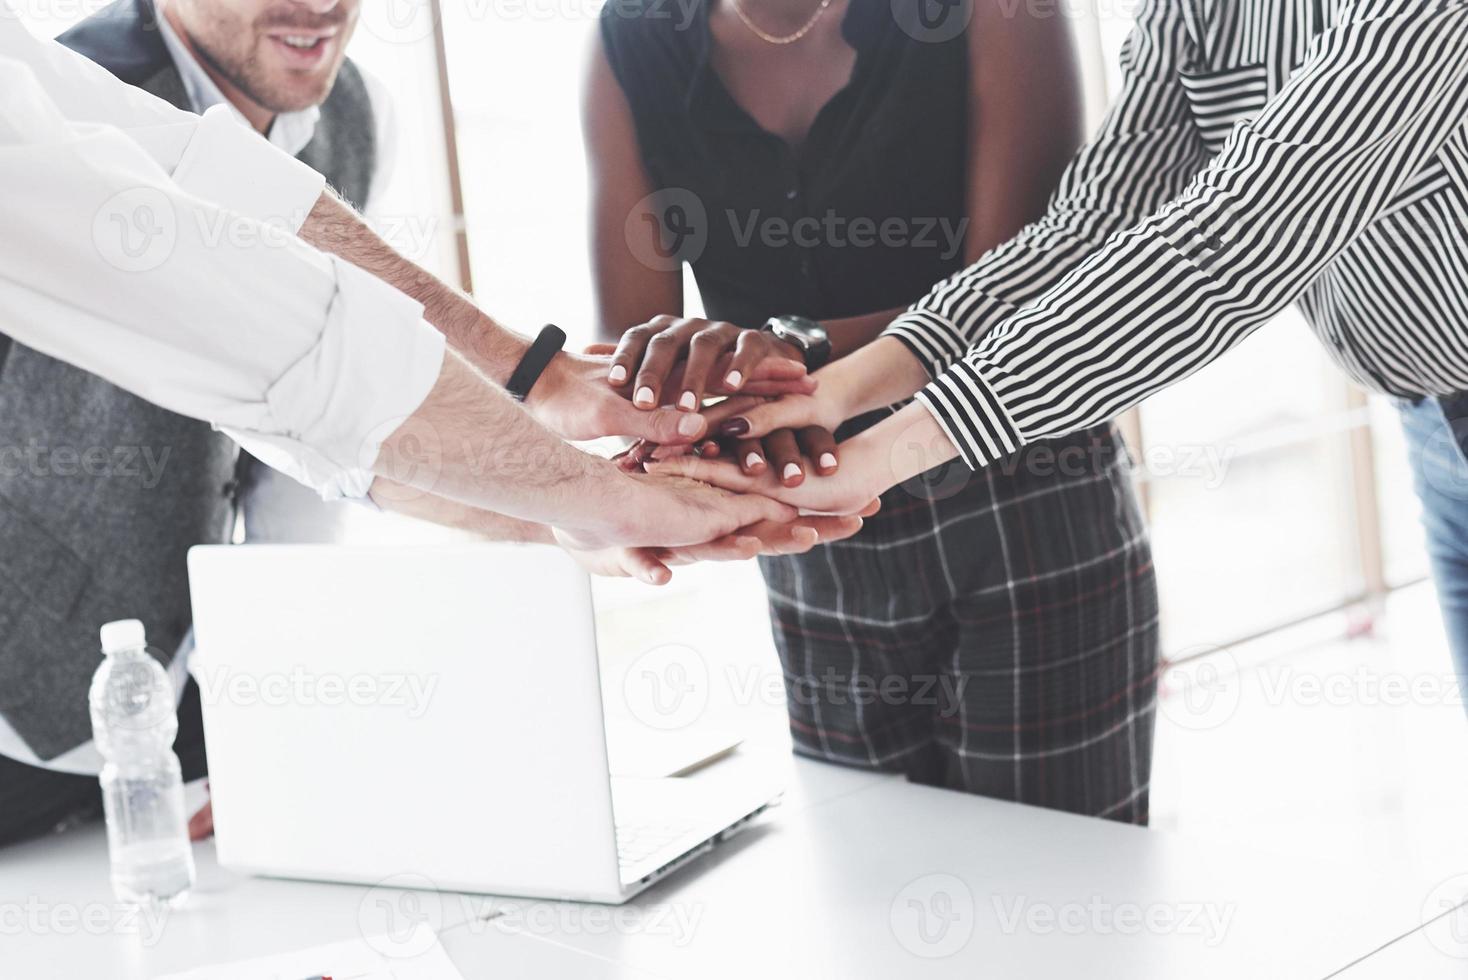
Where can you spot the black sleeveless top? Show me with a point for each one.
(867, 215)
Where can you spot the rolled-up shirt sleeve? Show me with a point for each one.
(109, 264)
(1377, 97)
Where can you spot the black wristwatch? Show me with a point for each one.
(552, 338)
(805, 335)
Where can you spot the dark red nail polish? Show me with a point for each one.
(734, 427)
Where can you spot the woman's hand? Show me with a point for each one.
(678, 360)
(850, 490)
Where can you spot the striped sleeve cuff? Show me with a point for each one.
(971, 415)
(935, 341)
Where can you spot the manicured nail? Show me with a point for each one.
(690, 426)
(618, 375)
(733, 379)
(753, 461)
(734, 427)
(643, 398)
(688, 401)
(828, 461)
(792, 470)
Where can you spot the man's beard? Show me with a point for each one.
(247, 75)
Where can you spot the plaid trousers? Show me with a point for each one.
(994, 632)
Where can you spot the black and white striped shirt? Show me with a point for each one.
(1261, 152)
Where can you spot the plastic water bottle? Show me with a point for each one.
(134, 721)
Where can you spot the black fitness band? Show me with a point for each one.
(552, 338)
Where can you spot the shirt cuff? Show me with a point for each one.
(373, 366)
(235, 168)
(971, 415)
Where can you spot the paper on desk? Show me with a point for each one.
(353, 959)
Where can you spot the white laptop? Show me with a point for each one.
(373, 713)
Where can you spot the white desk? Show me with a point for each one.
(831, 885)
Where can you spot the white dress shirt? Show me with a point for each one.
(154, 248)
(277, 509)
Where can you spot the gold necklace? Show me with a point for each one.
(773, 39)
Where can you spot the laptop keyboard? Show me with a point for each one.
(638, 842)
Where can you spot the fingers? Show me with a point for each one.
(751, 349)
(729, 408)
(704, 351)
(740, 546)
(784, 457)
(663, 352)
(645, 565)
(663, 425)
(716, 472)
(764, 417)
(201, 824)
(751, 456)
(628, 352)
(819, 446)
(599, 350)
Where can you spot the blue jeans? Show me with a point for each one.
(1440, 474)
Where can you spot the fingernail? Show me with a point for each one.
(690, 426)
(618, 375)
(828, 461)
(792, 470)
(733, 379)
(734, 427)
(688, 401)
(644, 397)
(753, 461)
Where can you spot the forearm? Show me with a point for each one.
(485, 524)
(850, 334)
(334, 227)
(471, 444)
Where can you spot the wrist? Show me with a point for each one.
(897, 449)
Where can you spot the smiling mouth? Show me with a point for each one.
(305, 46)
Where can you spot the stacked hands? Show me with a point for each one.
(726, 408)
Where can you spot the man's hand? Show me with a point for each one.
(654, 566)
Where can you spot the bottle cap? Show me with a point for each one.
(123, 634)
